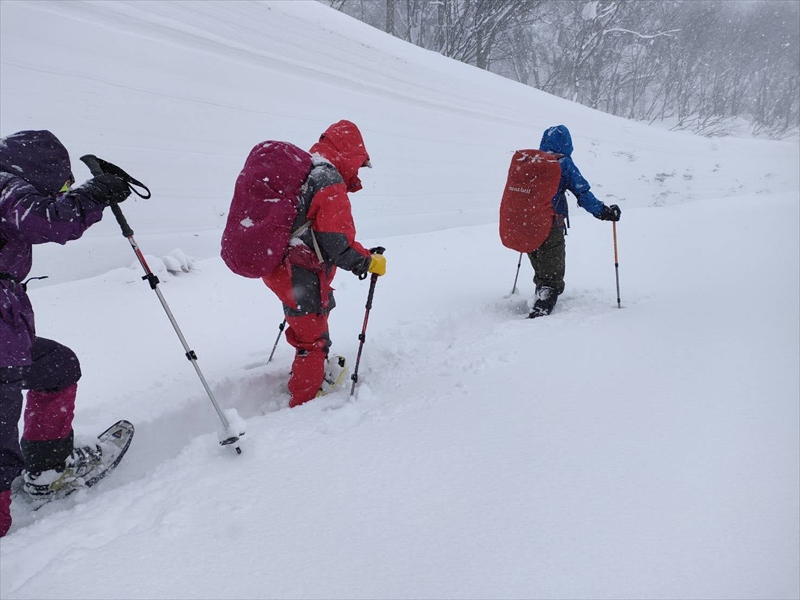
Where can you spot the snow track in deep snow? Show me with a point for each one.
(595, 452)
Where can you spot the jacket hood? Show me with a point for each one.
(557, 140)
(343, 146)
(38, 157)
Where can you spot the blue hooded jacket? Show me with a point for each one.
(558, 140)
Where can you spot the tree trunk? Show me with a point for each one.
(390, 10)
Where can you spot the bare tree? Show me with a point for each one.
(391, 8)
(696, 63)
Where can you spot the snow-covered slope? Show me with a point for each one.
(645, 452)
(178, 92)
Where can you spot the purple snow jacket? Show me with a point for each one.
(34, 166)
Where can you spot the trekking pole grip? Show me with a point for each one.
(127, 231)
(91, 161)
(374, 279)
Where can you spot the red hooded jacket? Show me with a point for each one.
(337, 157)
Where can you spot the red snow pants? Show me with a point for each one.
(47, 436)
(309, 336)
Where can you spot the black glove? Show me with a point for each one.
(377, 250)
(610, 213)
(108, 189)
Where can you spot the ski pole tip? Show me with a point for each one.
(231, 440)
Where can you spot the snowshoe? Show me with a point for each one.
(545, 302)
(80, 463)
(84, 467)
(335, 375)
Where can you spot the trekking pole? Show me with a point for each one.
(514, 288)
(616, 261)
(278, 339)
(98, 166)
(363, 336)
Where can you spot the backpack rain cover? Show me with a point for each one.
(526, 209)
(264, 208)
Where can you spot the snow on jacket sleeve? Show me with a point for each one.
(575, 183)
(30, 217)
(333, 226)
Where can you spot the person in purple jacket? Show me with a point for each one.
(37, 206)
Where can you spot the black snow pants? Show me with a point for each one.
(550, 259)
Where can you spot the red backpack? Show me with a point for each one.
(526, 210)
(264, 208)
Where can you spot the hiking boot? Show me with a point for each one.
(80, 463)
(546, 298)
(335, 372)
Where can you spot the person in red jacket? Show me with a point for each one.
(303, 282)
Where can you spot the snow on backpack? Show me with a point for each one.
(264, 208)
(526, 210)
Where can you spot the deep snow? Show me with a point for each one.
(650, 451)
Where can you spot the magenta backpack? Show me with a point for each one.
(264, 208)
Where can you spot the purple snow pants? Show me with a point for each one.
(51, 381)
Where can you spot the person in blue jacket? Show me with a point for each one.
(549, 260)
